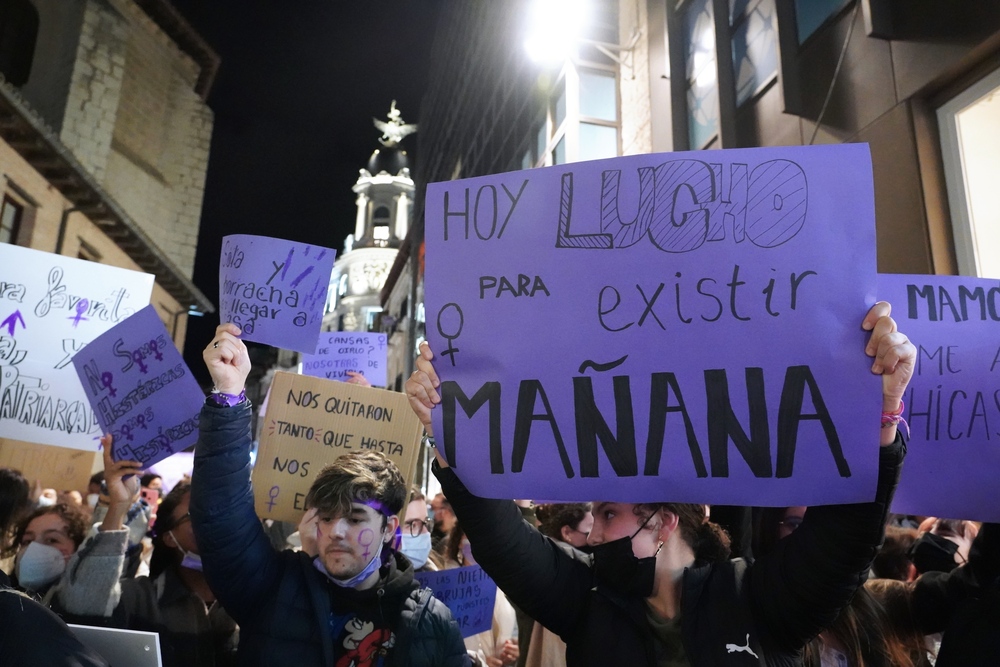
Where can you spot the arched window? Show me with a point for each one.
(18, 33)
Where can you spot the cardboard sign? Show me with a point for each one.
(342, 351)
(680, 327)
(468, 592)
(50, 307)
(953, 402)
(141, 389)
(311, 422)
(274, 290)
(59, 468)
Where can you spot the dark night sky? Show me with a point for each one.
(299, 83)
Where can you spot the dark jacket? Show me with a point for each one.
(728, 608)
(31, 634)
(281, 602)
(964, 604)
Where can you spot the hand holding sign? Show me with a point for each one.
(227, 360)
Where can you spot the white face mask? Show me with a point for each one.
(92, 499)
(416, 549)
(45, 501)
(39, 566)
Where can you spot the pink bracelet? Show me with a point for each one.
(896, 418)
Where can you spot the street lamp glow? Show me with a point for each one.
(555, 29)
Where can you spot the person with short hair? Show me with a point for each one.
(660, 588)
(356, 602)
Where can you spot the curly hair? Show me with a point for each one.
(358, 477)
(76, 521)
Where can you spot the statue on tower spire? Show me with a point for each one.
(393, 131)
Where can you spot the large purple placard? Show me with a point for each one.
(342, 351)
(675, 327)
(274, 290)
(469, 594)
(953, 401)
(141, 389)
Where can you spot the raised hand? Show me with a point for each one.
(122, 480)
(227, 359)
(421, 388)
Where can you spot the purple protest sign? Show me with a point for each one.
(140, 388)
(274, 290)
(342, 351)
(681, 327)
(469, 594)
(953, 402)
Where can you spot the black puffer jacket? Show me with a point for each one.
(281, 602)
(732, 613)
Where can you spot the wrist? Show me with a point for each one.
(891, 404)
(225, 399)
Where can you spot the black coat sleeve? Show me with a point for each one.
(799, 588)
(547, 582)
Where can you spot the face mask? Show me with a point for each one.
(370, 569)
(92, 500)
(417, 549)
(39, 566)
(45, 501)
(831, 657)
(933, 553)
(617, 566)
(191, 560)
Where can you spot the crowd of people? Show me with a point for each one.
(589, 583)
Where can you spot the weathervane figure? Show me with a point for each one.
(393, 131)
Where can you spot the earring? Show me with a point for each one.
(658, 547)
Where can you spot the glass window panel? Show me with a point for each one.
(703, 114)
(699, 38)
(542, 141)
(559, 106)
(559, 152)
(598, 141)
(598, 98)
(8, 221)
(810, 14)
(526, 162)
(755, 50)
(736, 9)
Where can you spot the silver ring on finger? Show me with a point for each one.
(215, 344)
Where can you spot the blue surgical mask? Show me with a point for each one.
(417, 549)
(191, 560)
(372, 567)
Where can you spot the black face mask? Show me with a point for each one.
(933, 553)
(619, 568)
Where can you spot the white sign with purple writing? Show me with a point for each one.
(50, 307)
(341, 352)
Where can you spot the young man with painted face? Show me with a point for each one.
(660, 589)
(356, 602)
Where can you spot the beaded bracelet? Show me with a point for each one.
(895, 418)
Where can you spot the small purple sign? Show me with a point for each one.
(468, 592)
(953, 402)
(342, 351)
(140, 389)
(274, 290)
(679, 327)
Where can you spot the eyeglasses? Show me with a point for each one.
(417, 526)
(791, 522)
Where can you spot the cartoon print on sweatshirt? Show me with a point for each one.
(366, 645)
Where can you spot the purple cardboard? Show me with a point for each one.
(953, 402)
(274, 290)
(468, 592)
(140, 388)
(342, 351)
(599, 326)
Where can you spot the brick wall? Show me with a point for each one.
(134, 120)
(637, 137)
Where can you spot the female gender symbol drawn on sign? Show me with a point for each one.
(106, 379)
(81, 307)
(366, 538)
(452, 350)
(137, 357)
(273, 496)
(155, 347)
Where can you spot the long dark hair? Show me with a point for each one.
(554, 516)
(15, 502)
(707, 540)
(163, 555)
